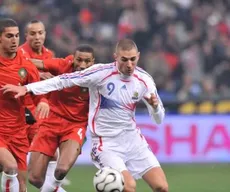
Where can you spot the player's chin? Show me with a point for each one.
(129, 73)
(37, 45)
(13, 50)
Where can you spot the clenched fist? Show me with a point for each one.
(153, 101)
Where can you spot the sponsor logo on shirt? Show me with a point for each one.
(124, 87)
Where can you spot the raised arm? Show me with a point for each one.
(154, 103)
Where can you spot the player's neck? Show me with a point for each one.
(37, 51)
(125, 77)
(7, 54)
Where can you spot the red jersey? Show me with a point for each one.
(70, 103)
(46, 54)
(16, 71)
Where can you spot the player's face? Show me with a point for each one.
(36, 35)
(9, 40)
(83, 60)
(127, 61)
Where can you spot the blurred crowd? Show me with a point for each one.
(184, 44)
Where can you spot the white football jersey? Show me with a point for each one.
(113, 96)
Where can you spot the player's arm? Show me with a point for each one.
(89, 77)
(38, 63)
(52, 64)
(153, 102)
(85, 78)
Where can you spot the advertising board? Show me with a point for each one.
(183, 139)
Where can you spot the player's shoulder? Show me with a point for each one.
(27, 63)
(68, 59)
(23, 52)
(22, 46)
(48, 52)
(64, 65)
(141, 73)
(63, 60)
(103, 67)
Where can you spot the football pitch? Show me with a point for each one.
(181, 178)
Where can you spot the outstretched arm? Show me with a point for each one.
(49, 85)
(41, 87)
(86, 78)
(53, 64)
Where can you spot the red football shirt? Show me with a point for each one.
(70, 103)
(46, 54)
(16, 71)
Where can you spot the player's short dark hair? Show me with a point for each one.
(86, 48)
(32, 22)
(125, 45)
(7, 22)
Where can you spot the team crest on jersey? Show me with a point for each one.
(22, 73)
(135, 96)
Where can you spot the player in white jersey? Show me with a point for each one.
(115, 89)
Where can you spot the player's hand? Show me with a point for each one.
(42, 110)
(153, 100)
(45, 75)
(19, 90)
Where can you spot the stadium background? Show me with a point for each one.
(185, 46)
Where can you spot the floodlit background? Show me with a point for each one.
(185, 46)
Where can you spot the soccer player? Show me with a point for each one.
(115, 89)
(14, 145)
(66, 126)
(35, 35)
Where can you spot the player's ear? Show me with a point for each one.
(115, 56)
(138, 55)
(0, 37)
(25, 34)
